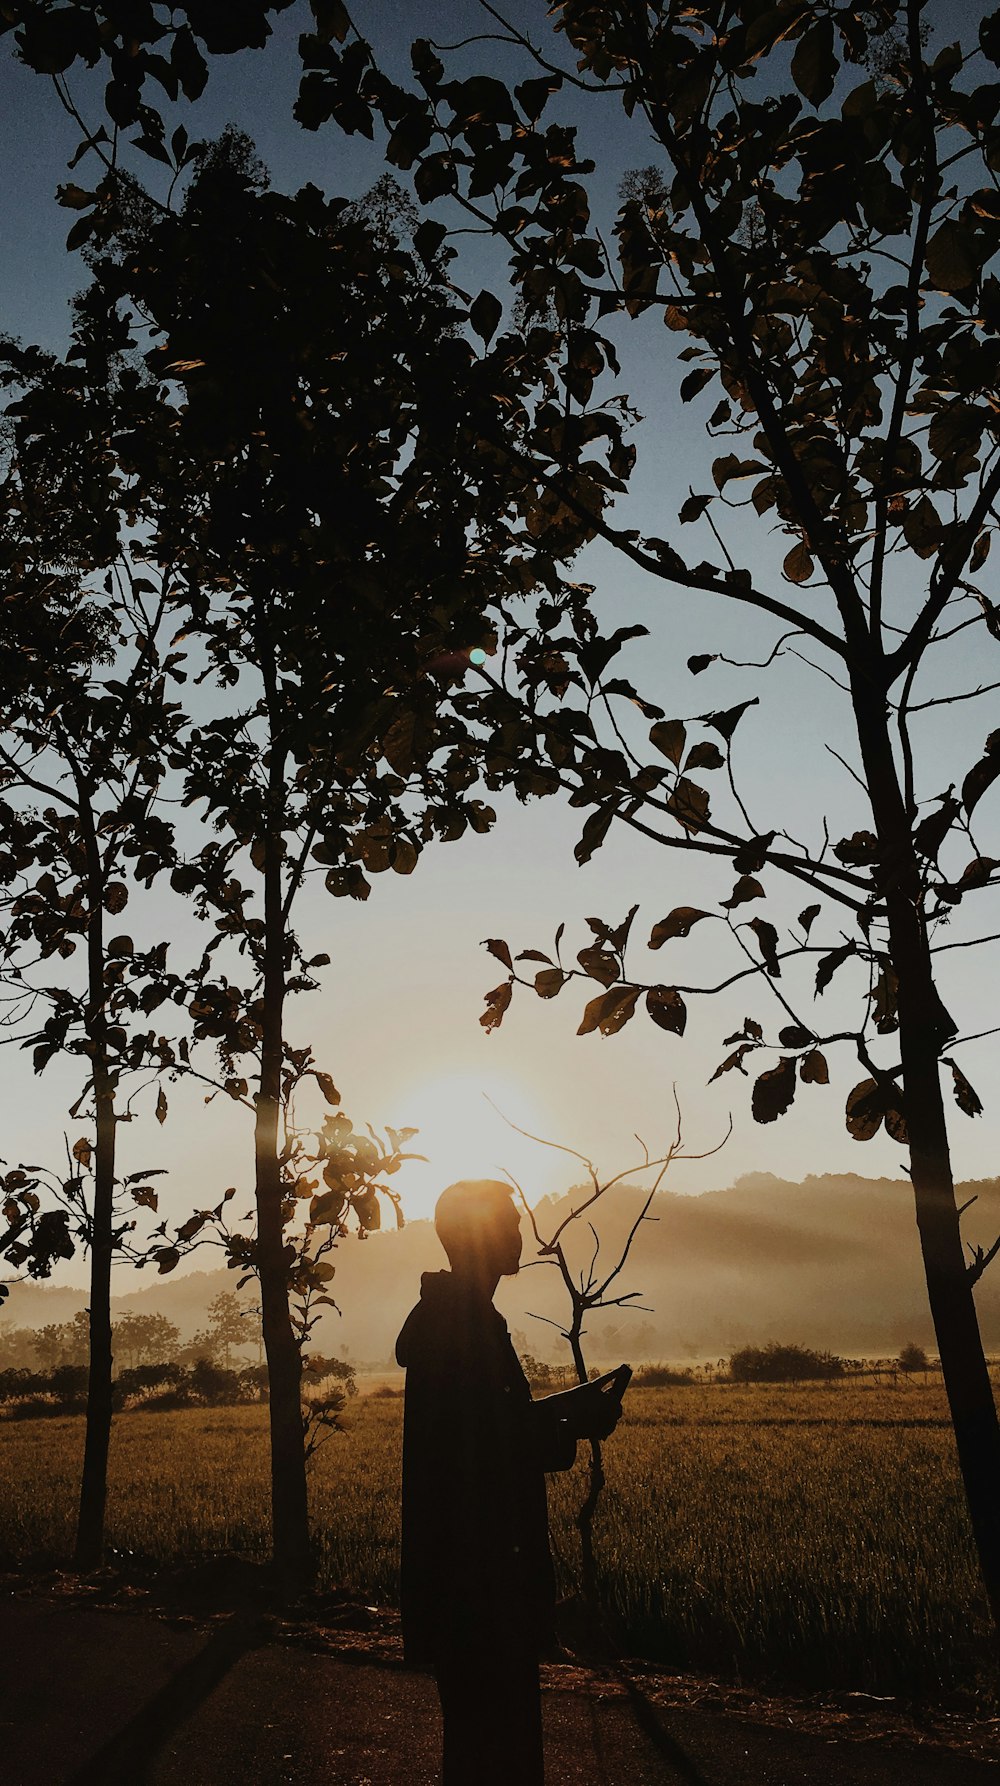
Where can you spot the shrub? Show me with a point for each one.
(141, 1379)
(68, 1382)
(660, 1376)
(913, 1358)
(253, 1382)
(166, 1401)
(17, 1381)
(218, 1387)
(317, 1368)
(782, 1364)
(33, 1407)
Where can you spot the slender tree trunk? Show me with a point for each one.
(289, 1503)
(923, 1031)
(94, 1484)
(595, 1484)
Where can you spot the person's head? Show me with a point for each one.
(479, 1228)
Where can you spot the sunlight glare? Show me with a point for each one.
(464, 1137)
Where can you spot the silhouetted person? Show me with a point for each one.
(478, 1590)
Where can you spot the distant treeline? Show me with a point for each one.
(773, 1363)
(163, 1387)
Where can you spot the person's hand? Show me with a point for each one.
(592, 1410)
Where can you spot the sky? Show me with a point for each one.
(396, 1021)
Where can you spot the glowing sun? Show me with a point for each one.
(463, 1136)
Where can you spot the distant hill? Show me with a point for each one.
(832, 1262)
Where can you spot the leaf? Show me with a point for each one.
(593, 834)
(767, 941)
(328, 1206)
(813, 1069)
(692, 509)
(610, 1011)
(966, 1096)
(726, 722)
(161, 1105)
(746, 888)
(774, 1091)
(688, 804)
(83, 1153)
(794, 1036)
(977, 872)
(807, 918)
(695, 382)
(498, 947)
(666, 1007)
(701, 661)
(533, 96)
(922, 527)
(485, 314)
(830, 963)
(599, 964)
(983, 774)
(668, 736)
(679, 922)
(729, 467)
(365, 1205)
(704, 756)
(752, 855)
(733, 1060)
(814, 64)
(549, 981)
(860, 850)
(951, 259)
(145, 1195)
(115, 897)
(798, 566)
(435, 176)
(327, 1087)
(120, 946)
(496, 1004)
(864, 1111)
(81, 232)
(886, 990)
(74, 197)
(895, 1125)
(166, 1258)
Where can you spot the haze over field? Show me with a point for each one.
(832, 1262)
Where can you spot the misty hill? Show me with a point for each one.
(832, 1263)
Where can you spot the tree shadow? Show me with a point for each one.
(125, 1760)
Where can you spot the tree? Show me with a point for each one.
(912, 1358)
(228, 1324)
(592, 1284)
(817, 232)
(145, 1338)
(344, 531)
(86, 721)
(776, 1363)
(63, 1342)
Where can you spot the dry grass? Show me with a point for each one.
(814, 1535)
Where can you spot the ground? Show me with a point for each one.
(113, 1690)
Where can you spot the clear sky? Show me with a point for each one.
(396, 1019)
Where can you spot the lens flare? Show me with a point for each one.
(477, 657)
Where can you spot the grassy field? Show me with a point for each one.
(811, 1536)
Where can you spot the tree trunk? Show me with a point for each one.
(94, 1484)
(289, 1502)
(923, 1030)
(595, 1484)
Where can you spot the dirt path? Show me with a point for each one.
(93, 1697)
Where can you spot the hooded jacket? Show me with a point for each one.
(476, 1572)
